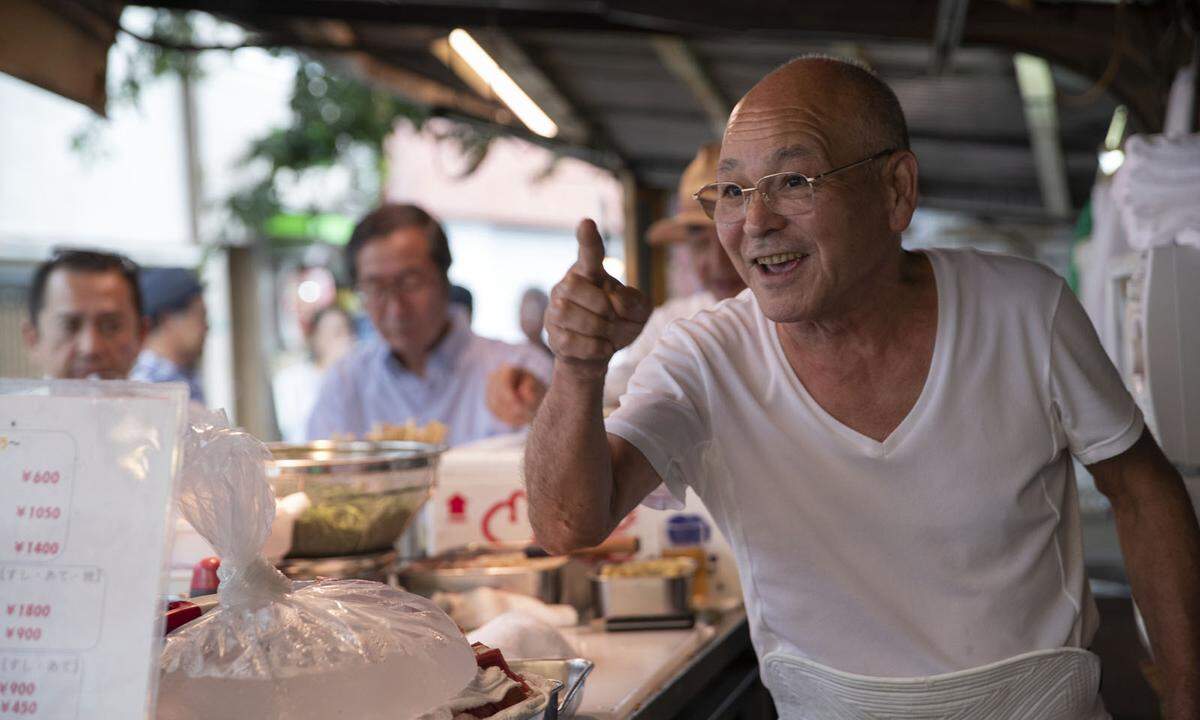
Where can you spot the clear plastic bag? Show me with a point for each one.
(296, 650)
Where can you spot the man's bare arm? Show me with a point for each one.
(1160, 539)
(580, 482)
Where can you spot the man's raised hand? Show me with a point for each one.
(591, 315)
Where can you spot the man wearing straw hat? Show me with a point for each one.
(696, 234)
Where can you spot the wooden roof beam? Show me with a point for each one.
(412, 85)
(60, 47)
(679, 58)
(951, 20)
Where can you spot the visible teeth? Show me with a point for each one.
(780, 258)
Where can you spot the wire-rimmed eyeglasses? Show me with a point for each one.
(786, 193)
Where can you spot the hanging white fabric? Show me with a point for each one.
(1181, 102)
(1157, 189)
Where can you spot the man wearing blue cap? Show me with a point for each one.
(174, 304)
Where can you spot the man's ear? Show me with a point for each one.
(143, 330)
(900, 177)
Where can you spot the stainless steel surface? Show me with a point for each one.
(649, 622)
(364, 494)
(536, 577)
(325, 457)
(724, 643)
(641, 596)
(554, 692)
(572, 673)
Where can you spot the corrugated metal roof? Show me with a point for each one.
(968, 124)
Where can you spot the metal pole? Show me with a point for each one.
(194, 181)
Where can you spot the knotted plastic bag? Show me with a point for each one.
(281, 649)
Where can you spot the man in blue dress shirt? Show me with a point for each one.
(425, 364)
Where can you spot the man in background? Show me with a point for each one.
(174, 307)
(425, 363)
(531, 315)
(329, 335)
(85, 316)
(696, 235)
(462, 300)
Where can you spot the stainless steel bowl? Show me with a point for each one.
(364, 494)
(539, 577)
(325, 457)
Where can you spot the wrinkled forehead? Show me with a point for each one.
(783, 122)
(780, 139)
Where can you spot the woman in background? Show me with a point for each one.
(329, 336)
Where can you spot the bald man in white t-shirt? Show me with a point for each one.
(885, 437)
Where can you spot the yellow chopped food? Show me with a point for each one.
(433, 433)
(486, 560)
(659, 568)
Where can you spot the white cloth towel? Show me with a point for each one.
(1157, 190)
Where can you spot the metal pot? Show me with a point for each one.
(364, 494)
(643, 596)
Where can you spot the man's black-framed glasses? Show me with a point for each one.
(379, 290)
(785, 193)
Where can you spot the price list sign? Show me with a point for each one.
(86, 478)
(38, 503)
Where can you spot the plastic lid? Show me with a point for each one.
(688, 530)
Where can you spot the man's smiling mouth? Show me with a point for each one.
(779, 263)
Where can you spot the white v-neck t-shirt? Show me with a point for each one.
(953, 543)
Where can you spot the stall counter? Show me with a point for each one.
(653, 674)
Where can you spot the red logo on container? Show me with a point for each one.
(511, 505)
(456, 508)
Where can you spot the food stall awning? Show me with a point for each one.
(60, 47)
(638, 86)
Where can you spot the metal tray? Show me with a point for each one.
(570, 673)
(539, 577)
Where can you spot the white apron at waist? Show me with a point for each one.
(1058, 684)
